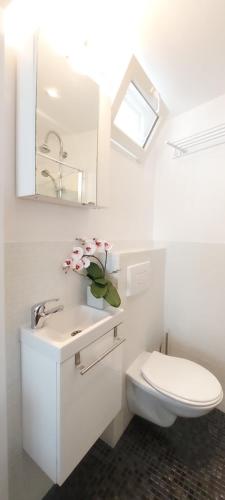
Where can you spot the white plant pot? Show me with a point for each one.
(93, 302)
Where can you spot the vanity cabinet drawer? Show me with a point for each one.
(89, 400)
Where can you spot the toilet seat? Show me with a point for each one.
(181, 379)
(175, 388)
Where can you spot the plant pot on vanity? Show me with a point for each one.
(93, 301)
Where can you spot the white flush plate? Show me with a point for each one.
(138, 276)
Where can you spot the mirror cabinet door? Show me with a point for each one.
(67, 115)
(63, 130)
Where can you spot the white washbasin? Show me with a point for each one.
(59, 339)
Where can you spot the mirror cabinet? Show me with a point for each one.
(63, 130)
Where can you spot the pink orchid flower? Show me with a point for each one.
(77, 266)
(89, 247)
(66, 265)
(77, 254)
(99, 244)
(81, 256)
(86, 262)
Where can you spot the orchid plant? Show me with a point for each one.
(84, 260)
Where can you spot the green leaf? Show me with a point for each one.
(112, 296)
(94, 271)
(101, 281)
(98, 291)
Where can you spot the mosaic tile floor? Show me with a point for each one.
(185, 461)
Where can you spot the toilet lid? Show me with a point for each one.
(181, 378)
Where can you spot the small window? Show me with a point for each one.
(136, 117)
(135, 112)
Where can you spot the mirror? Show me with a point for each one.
(67, 117)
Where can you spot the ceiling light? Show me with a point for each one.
(52, 92)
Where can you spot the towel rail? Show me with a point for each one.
(205, 139)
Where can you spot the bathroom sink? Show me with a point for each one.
(70, 330)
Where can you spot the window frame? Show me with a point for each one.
(135, 75)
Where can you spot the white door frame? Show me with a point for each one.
(3, 399)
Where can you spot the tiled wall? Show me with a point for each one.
(33, 273)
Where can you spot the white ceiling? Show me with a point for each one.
(182, 47)
(3, 3)
(181, 44)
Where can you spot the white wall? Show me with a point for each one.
(189, 213)
(190, 191)
(38, 237)
(3, 423)
(195, 304)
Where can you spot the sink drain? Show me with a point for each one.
(75, 332)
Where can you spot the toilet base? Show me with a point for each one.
(148, 407)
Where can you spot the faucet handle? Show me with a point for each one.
(43, 303)
(38, 309)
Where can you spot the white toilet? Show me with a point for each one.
(160, 388)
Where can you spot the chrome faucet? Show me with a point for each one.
(39, 312)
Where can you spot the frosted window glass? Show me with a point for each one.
(135, 117)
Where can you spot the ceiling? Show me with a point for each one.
(181, 44)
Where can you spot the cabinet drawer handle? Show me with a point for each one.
(116, 344)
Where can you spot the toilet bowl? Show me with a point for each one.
(160, 388)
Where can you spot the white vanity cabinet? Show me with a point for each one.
(68, 403)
